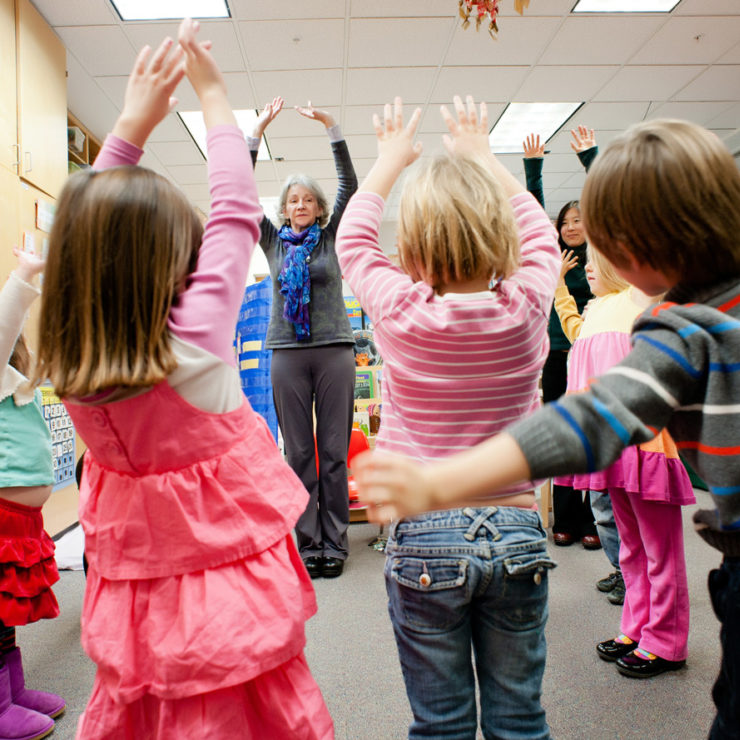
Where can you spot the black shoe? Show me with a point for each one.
(607, 584)
(611, 650)
(314, 566)
(616, 595)
(636, 667)
(332, 567)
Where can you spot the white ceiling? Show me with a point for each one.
(350, 56)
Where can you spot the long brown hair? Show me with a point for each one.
(124, 241)
(21, 357)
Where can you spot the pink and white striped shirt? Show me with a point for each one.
(459, 367)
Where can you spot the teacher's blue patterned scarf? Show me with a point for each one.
(294, 279)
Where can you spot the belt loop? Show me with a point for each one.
(481, 520)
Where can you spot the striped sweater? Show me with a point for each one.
(458, 367)
(683, 373)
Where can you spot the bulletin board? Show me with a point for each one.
(62, 437)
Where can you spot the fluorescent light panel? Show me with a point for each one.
(155, 10)
(625, 6)
(194, 123)
(520, 119)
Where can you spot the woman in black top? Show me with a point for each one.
(313, 367)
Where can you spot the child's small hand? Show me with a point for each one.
(532, 147)
(29, 264)
(149, 91)
(469, 134)
(267, 116)
(396, 141)
(316, 115)
(583, 138)
(569, 261)
(392, 486)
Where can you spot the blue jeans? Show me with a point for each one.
(724, 589)
(471, 582)
(606, 527)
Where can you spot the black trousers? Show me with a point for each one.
(323, 377)
(571, 509)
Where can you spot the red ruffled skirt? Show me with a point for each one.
(27, 566)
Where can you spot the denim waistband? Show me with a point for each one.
(471, 519)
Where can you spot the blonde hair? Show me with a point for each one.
(123, 242)
(610, 278)
(668, 193)
(455, 223)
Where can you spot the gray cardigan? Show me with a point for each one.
(683, 374)
(328, 315)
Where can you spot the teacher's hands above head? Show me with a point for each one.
(267, 116)
(316, 115)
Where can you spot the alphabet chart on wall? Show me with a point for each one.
(62, 437)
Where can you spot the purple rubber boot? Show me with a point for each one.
(39, 701)
(18, 723)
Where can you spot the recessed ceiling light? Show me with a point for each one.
(520, 119)
(625, 6)
(156, 10)
(194, 123)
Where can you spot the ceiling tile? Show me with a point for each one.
(76, 12)
(523, 43)
(176, 152)
(555, 84)
(379, 86)
(323, 88)
(314, 44)
(701, 113)
(600, 40)
(103, 49)
(226, 49)
(729, 118)
(690, 41)
(286, 9)
(716, 83)
(706, 7)
(189, 174)
(647, 83)
(732, 56)
(414, 42)
(291, 123)
(483, 83)
(611, 115)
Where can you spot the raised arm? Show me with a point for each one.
(534, 157)
(584, 145)
(346, 177)
(16, 296)
(565, 304)
(206, 311)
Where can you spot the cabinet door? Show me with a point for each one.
(10, 231)
(42, 101)
(8, 111)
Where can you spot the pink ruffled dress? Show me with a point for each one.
(196, 597)
(652, 470)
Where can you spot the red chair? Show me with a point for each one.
(357, 443)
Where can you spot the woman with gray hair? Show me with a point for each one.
(311, 338)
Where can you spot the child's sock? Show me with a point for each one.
(644, 654)
(623, 640)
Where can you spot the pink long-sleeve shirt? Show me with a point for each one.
(459, 367)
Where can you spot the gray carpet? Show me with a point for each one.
(352, 654)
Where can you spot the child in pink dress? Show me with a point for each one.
(196, 596)
(647, 486)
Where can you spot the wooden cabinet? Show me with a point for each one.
(42, 101)
(9, 152)
(10, 231)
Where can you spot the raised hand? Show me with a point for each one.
(205, 76)
(29, 264)
(148, 97)
(569, 261)
(267, 116)
(532, 147)
(469, 133)
(583, 138)
(315, 114)
(396, 141)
